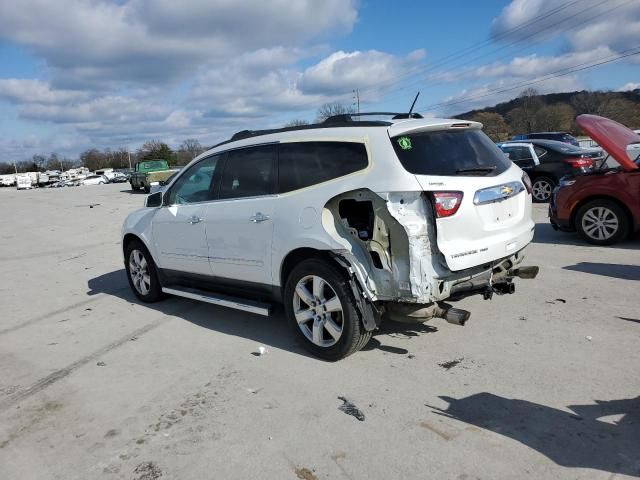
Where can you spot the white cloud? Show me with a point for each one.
(97, 42)
(629, 86)
(585, 24)
(36, 91)
(527, 67)
(343, 71)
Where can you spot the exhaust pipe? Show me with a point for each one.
(525, 272)
(457, 316)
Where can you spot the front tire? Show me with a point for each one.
(142, 273)
(542, 188)
(321, 310)
(602, 222)
(147, 188)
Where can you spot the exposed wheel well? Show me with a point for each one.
(296, 256)
(583, 202)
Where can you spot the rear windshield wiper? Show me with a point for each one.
(485, 170)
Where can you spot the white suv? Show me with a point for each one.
(346, 223)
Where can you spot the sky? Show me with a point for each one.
(79, 74)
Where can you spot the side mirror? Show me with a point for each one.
(154, 200)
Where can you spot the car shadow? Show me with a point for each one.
(273, 331)
(134, 192)
(613, 270)
(544, 233)
(582, 438)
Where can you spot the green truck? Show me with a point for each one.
(148, 172)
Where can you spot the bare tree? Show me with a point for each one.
(530, 103)
(329, 109)
(296, 123)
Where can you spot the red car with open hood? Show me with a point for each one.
(604, 204)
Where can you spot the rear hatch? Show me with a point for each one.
(481, 201)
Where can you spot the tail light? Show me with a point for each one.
(527, 182)
(579, 162)
(446, 203)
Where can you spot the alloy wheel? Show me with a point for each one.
(600, 223)
(139, 272)
(542, 190)
(318, 311)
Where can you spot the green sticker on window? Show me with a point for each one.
(405, 143)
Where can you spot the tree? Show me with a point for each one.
(188, 150)
(156, 150)
(93, 159)
(329, 109)
(553, 118)
(296, 123)
(530, 103)
(53, 162)
(494, 125)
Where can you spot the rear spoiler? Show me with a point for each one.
(409, 127)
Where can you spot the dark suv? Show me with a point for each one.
(563, 137)
(547, 161)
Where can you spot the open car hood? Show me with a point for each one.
(613, 137)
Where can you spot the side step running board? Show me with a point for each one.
(222, 300)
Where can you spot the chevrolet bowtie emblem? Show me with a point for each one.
(506, 190)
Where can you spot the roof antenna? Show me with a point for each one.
(413, 104)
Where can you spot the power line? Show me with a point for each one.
(451, 70)
(559, 73)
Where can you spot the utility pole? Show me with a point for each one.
(356, 101)
(129, 154)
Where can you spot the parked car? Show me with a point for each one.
(118, 177)
(603, 206)
(563, 137)
(94, 180)
(546, 161)
(346, 222)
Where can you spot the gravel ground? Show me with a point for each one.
(93, 384)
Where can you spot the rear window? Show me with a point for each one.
(309, 163)
(450, 153)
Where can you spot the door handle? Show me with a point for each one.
(193, 220)
(259, 217)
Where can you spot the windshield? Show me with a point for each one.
(450, 153)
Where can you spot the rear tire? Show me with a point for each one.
(134, 187)
(602, 222)
(142, 273)
(542, 188)
(321, 310)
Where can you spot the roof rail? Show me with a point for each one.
(348, 117)
(243, 134)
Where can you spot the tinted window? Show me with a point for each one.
(309, 163)
(540, 152)
(449, 153)
(194, 185)
(248, 172)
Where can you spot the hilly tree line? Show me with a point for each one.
(95, 159)
(532, 112)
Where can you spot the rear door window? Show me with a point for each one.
(450, 153)
(302, 164)
(248, 172)
(519, 155)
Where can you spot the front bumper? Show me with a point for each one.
(558, 223)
